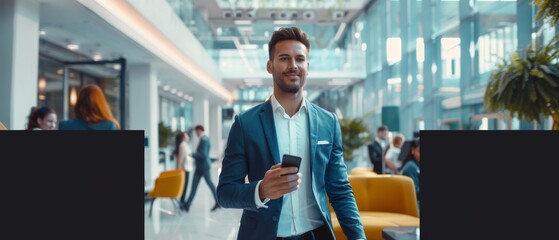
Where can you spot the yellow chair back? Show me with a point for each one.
(362, 171)
(385, 193)
(169, 184)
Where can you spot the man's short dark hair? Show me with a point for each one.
(199, 127)
(382, 128)
(289, 33)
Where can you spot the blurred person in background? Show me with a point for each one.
(92, 112)
(410, 166)
(377, 149)
(43, 118)
(183, 161)
(391, 161)
(202, 159)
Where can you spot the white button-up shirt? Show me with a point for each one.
(300, 212)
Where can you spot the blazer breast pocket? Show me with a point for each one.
(323, 143)
(323, 149)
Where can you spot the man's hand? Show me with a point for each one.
(279, 181)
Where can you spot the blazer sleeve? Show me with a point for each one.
(340, 192)
(232, 192)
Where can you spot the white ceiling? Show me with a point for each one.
(320, 19)
(68, 21)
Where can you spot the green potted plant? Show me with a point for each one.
(548, 9)
(354, 135)
(165, 138)
(164, 135)
(527, 85)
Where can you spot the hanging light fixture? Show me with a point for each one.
(73, 96)
(42, 84)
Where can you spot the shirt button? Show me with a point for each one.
(275, 219)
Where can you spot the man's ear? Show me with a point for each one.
(269, 66)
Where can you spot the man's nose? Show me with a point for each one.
(292, 64)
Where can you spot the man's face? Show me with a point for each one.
(198, 132)
(382, 134)
(289, 66)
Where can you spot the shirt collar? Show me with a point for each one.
(276, 104)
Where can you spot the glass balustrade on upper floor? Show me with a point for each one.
(323, 63)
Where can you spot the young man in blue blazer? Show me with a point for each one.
(287, 202)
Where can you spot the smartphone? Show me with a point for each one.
(291, 161)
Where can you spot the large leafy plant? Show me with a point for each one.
(548, 9)
(528, 84)
(355, 134)
(165, 134)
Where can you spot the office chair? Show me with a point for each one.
(362, 171)
(383, 201)
(169, 184)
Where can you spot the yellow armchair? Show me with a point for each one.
(383, 201)
(169, 184)
(362, 171)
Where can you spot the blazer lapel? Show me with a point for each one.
(313, 130)
(267, 120)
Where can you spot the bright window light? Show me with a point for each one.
(393, 50)
(420, 50)
(484, 124)
(357, 35)
(73, 46)
(448, 43)
(97, 57)
(393, 81)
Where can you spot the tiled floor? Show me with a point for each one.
(198, 223)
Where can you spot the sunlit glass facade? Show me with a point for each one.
(432, 59)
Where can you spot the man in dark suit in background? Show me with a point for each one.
(377, 149)
(202, 160)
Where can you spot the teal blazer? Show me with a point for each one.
(252, 149)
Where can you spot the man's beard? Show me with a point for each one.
(289, 88)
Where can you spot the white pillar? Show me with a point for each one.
(144, 113)
(19, 58)
(215, 137)
(201, 115)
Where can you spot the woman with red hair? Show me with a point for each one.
(92, 112)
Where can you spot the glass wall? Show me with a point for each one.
(433, 59)
(50, 84)
(175, 113)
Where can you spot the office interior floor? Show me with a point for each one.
(198, 223)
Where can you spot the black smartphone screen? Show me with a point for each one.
(291, 161)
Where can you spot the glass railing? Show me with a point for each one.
(249, 63)
(194, 20)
